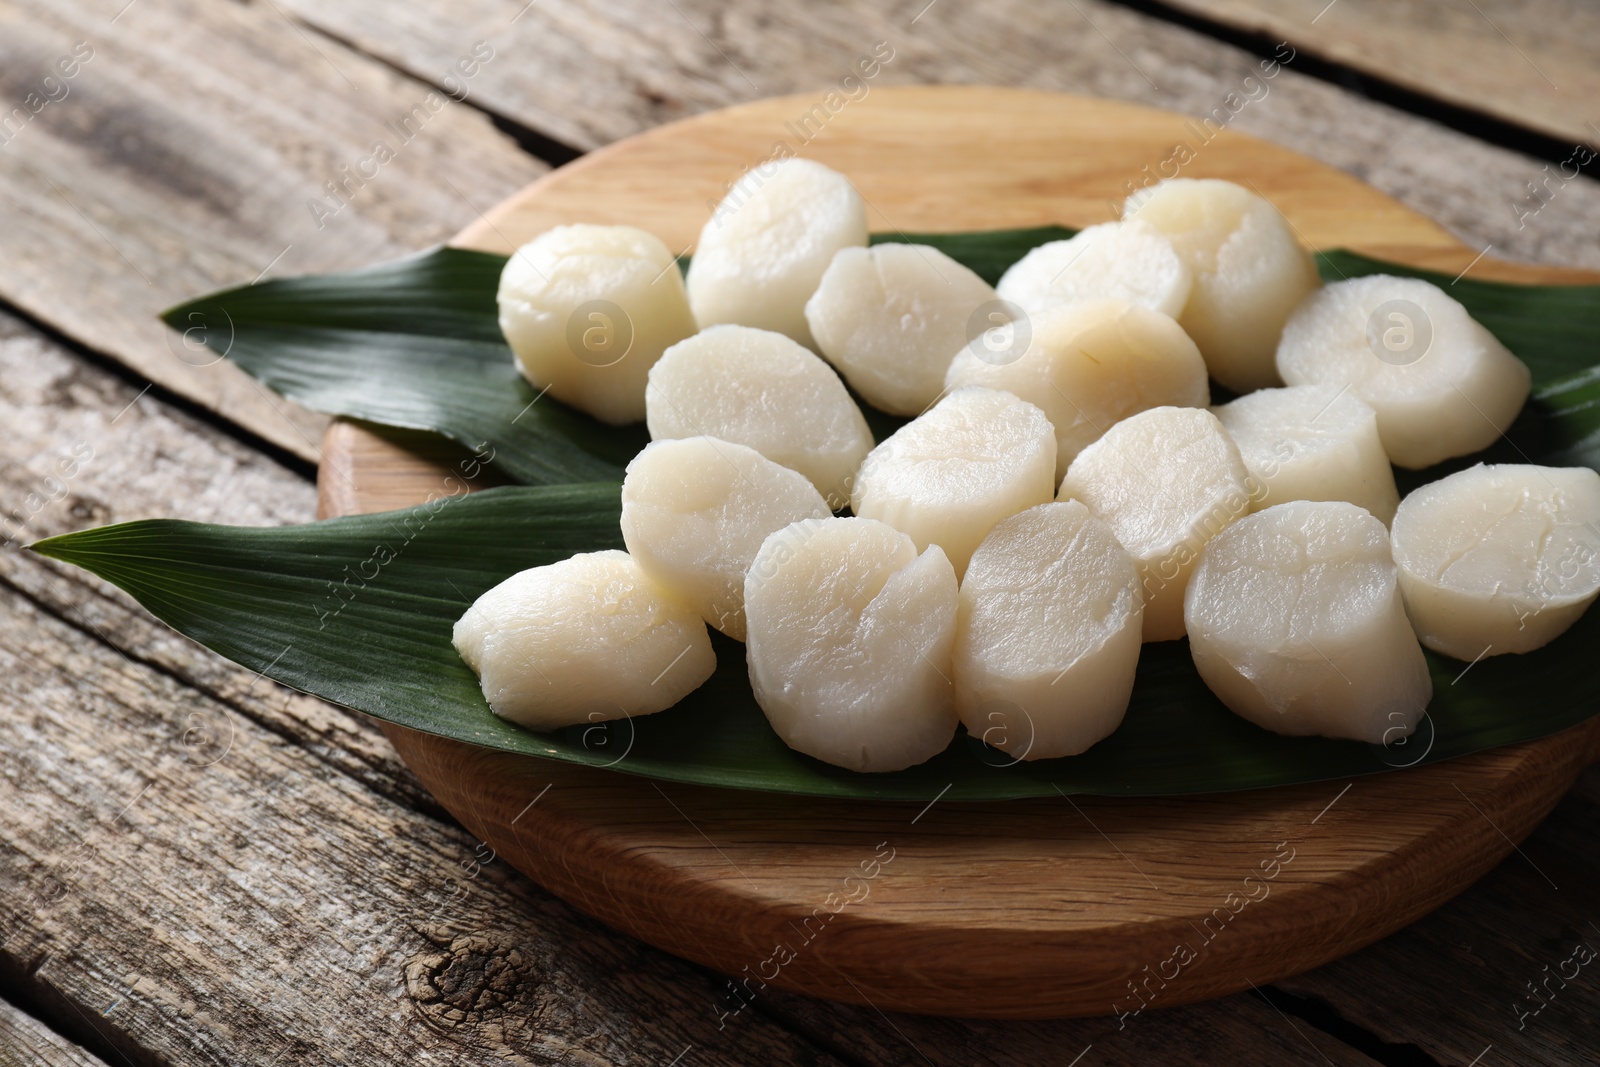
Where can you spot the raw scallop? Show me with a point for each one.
(588, 639)
(1295, 622)
(1442, 385)
(1166, 481)
(947, 476)
(1249, 272)
(1129, 260)
(1312, 442)
(588, 310)
(1499, 559)
(766, 246)
(1089, 365)
(760, 389)
(695, 512)
(850, 636)
(891, 318)
(1048, 634)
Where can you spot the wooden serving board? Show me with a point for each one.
(1020, 909)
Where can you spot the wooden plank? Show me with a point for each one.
(263, 908)
(87, 449)
(103, 721)
(185, 154)
(589, 73)
(1513, 965)
(1243, 1030)
(963, 927)
(27, 1042)
(1530, 63)
(1445, 986)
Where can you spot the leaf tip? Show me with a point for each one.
(52, 547)
(171, 315)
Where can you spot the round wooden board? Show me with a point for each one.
(1023, 909)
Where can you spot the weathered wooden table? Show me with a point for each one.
(197, 866)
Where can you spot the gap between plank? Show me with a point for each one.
(20, 988)
(1325, 1018)
(1476, 124)
(433, 811)
(815, 1035)
(215, 420)
(27, 1007)
(540, 146)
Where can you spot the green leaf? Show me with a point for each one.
(415, 343)
(359, 610)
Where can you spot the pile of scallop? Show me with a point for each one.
(1062, 493)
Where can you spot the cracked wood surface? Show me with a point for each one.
(27, 1042)
(1527, 62)
(196, 863)
(184, 155)
(301, 897)
(592, 71)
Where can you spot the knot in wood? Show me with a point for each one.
(475, 981)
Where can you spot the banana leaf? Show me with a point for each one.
(359, 610)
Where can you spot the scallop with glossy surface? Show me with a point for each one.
(1442, 384)
(1295, 622)
(1048, 636)
(1089, 365)
(1312, 442)
(892, 317)
(767, 244)
(1500, 558)
(1166, 481)
(587, 310)
(947, 476)
(1249, 272)
(695, 512)
(588, 639)
(1129, 260)
(760, 389)
(849, 643)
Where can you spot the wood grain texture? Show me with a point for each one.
(27, 1042)
(1530, 63)
(273, 895)
(894, 146)
(192, 902)
(150, 460)
(184, 156)
(1440, 991)
(588, 73)
(629, 69)
(265, 872)
(1018, 910)
(1456, 983)
(84, 449)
